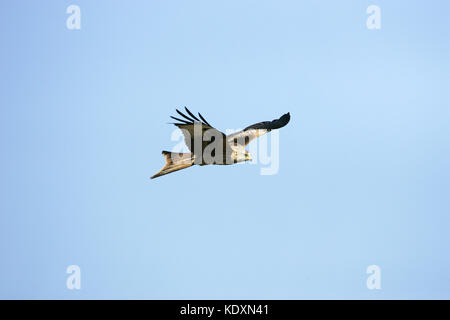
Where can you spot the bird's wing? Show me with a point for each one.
(252, 132)
(195, 129)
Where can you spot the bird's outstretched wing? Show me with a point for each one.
(252, 132)
(192, 127)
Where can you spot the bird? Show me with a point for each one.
(210, 146)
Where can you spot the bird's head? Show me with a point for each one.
(241, 156)
(248, 156)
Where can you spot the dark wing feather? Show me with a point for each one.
(181, 120)
(184, 116)
(191, 114)
(190, 120)
(204, 120)
(271, 125)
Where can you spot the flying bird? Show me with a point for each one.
(210, 146)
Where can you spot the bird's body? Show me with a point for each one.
(209, 146)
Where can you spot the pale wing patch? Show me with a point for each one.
(244, 137)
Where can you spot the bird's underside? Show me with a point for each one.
(210, 146)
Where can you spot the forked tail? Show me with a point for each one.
(175, 161)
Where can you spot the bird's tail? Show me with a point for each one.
(175, 161)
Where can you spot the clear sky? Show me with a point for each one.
(364, 173)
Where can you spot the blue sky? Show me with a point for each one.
(364, 163)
